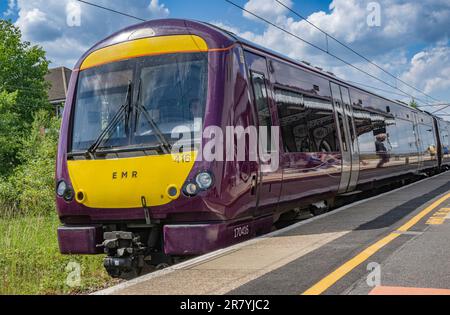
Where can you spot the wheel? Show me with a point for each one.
(162, 266)
(125, 275)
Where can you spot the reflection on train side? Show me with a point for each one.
(445, 140)
(386, 141)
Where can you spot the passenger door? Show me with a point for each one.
(347, 138)
(354, 146)
(268, 183)
(418, 143)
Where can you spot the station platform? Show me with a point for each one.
(394, 243)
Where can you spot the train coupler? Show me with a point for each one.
(125, 254)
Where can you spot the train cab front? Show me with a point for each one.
(123, 168)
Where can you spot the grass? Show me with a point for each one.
(30, 262)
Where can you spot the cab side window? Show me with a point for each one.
(262, 104)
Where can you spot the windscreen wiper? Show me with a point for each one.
(124, 109)
(166, 145)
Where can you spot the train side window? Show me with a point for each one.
(347, 104)
(306, 122)
(406, 138)
(364, 131)
(336, 92)
(427, 140)
(262, 104)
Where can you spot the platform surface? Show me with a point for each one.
(394, 243)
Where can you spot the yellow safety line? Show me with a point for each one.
(422, 214)
(344, 269)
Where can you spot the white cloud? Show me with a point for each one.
(11, 8)
(403, 24)
(244, 34)
(34, 19)
(44, 22)
(430, 70)
(268, 9)
(158, 10)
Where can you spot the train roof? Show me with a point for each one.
(216, 38)
(312, 68)
(213, 36)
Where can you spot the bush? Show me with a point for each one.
(9, 132)
(22, 71)
(30, 262)
(30, 188)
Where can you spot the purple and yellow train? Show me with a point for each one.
(121, 190)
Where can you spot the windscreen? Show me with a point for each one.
(152, 95)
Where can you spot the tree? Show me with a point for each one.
(23, 91)
(414, 104)
(30, 187)
(33, 180)
(9, 133)
(22, 69)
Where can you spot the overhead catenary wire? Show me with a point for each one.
(112, 10)
(313, 45)
(384, 90)
(321, 49)
(395, 93)
(13, 88)
(309, 43)
(354, 51)
(441, 109)
(35, 90)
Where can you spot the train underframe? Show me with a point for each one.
(130, 251)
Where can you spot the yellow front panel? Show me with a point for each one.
(121, 183)
(145, 47)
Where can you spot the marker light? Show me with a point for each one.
(173, 192)
(80, 196)
(204, 180)
(191, 189)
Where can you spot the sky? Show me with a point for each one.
(408, 39)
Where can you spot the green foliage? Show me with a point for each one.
(8, 132)
(414, 104)
(23, 91)
(30, 188)
(30, 262)
(22, 69)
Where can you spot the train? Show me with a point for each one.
(123, 191)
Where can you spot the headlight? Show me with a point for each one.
(61, 188)
(64, 191)
(191, 189)
(204, 180)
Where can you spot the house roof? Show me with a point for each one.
(59, 81)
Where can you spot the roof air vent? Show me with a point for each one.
(142, 33)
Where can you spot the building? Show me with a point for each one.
(59, 81)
